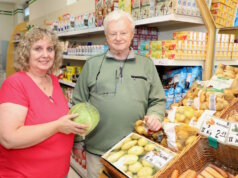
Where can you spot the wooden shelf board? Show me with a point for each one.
(184, 62)
(159, 21)
(71, 84)
(80, 58)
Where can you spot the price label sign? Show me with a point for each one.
(232, 138)
(163, 62)
(220, 83)
(215, 128)
(159, 158)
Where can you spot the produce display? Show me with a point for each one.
(137, 156)
(87, 114)
(183, 123)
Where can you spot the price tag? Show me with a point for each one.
(198, 122)
(159, 158)
(220, 83)
(163, 62)
(232, 138)
(215, 128)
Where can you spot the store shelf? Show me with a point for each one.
(79, 170)
(228, 30)
(166, 20)
(158, 62)
(71, 84)
(86, 31)
(168, 62)
(226, 62)
(170, 19)
(16, 41)
(80, 58)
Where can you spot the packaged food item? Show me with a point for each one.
(182, 114)
(141, 128)
(179, 135)
(212, 99)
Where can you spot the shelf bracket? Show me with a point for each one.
(211, 28)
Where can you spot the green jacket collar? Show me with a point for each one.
(131, 55)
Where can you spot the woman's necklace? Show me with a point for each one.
(44, 83)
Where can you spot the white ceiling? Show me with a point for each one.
(14, 1)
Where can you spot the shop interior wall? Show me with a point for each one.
(45, 11)
(49, 10)
(6, 21)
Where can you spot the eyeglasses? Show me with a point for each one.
(116, 77)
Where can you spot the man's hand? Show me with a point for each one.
(153, 122)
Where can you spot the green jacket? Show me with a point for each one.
(122, 96)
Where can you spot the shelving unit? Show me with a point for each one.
(188, 62)
(70, 84)
(157, 62)
(80, 58)
(82, 172)
(82, 32)
(161, 21)
(168, 20)
(227, 62)
(16, 41)
(20, 28)
(229, 30)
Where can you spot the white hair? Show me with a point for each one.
(116, 15)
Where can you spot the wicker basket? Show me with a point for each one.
(199, 154)
(233, 106)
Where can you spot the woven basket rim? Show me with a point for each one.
(232, 106)
(180, 155)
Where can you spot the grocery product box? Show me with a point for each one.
(156, 54)
(165, 7)
(135, 9)
(135, 155)
(147, 8)
(219, 13)
(125, 5)
(99, 9)
(219, 6)
(169, 54)
(169, 44)
(109, 6)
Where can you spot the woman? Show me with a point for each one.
(36, 133)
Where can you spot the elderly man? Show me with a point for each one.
(123, 86)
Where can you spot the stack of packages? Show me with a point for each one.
(138, 155)
(224, 12)
(185, 117)
(181, 127)
(205, 97)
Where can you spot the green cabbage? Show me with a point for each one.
(87, 114)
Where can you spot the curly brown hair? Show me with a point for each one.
(21, 62)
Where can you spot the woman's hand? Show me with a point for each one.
(153, 122)
(67, 126)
